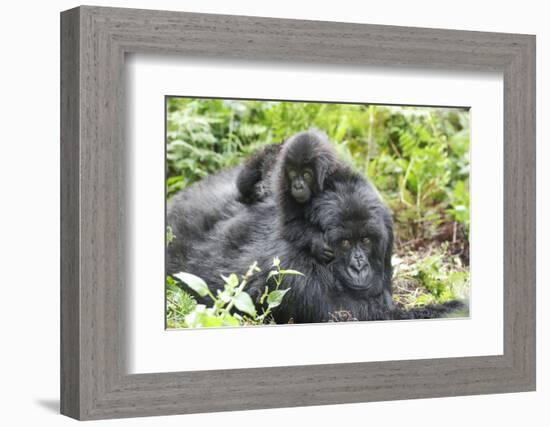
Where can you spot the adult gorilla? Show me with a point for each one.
(357, 227)
(357, 282)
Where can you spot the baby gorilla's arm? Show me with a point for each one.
(320, 249)
(309, 239)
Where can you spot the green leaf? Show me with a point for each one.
(194, 282)
(294, 272)
(232, 281)
(229, 320)
(210, 321)
(276, 297)
(276, 262)
(244, 303)
(224, 296)
(203, 317)
(193, 319)
(171, 283)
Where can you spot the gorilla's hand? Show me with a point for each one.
(320, 250)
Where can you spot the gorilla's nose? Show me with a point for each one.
(357, 263)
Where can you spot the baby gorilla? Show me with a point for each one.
(305, 161)
(294, 172)
(307, 155)
(306, 165)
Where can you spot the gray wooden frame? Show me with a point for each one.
(94, 41)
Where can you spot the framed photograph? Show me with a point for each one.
(261, 213)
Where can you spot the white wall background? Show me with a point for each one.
(29, 215)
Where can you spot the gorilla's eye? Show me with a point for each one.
(292, 173)
(346, 244)
(308, 176)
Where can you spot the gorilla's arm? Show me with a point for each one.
(432, 311)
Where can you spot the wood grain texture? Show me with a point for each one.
(70, 291)
(94, 381)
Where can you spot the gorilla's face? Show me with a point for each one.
(357, 228)
(306, 159)
(358, 261)
(300, 181)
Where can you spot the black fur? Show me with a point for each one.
(195, 213)
(309, 150)
(358, 279)
(254, 180)
(267, 172)
(429, 311)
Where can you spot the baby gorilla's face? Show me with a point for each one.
(305, 162)
(300, 180)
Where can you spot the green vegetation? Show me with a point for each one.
(184, 312)
(429, 276)
(417, 158)
(178, 304)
